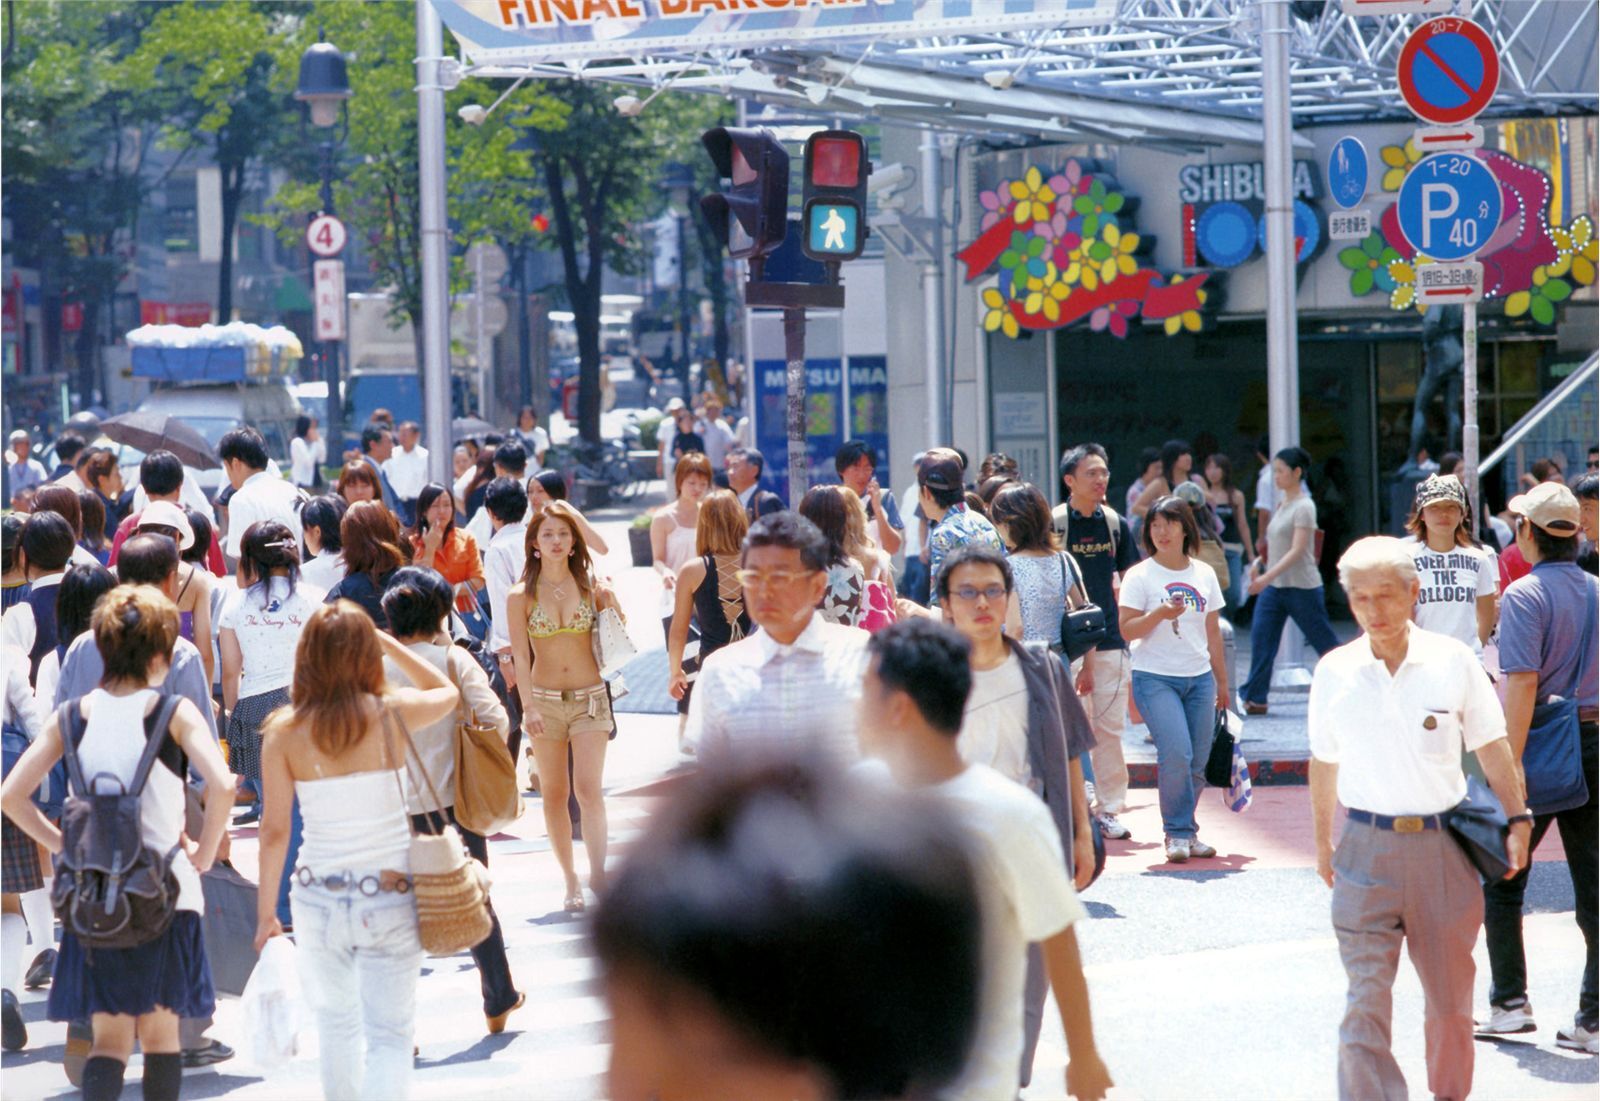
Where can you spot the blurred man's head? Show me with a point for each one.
(916, 688)
(785, 932)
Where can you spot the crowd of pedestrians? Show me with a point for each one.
(317, 652)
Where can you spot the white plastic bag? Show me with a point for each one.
(272, 1008)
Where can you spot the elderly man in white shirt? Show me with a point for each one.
(407, 469)
(793, 684)
(1390, 715)
(258, 494)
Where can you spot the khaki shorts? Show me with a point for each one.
(590, 713)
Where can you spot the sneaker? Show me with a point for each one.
(212, 1051)
(1111, 828)
(1199, 848)
(13, 1033)
(1177, 850)
(40, 970)
(1579, 1038)
(1508, 1020)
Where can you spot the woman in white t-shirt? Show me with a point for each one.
(1460, 579)
(1169, 608)
(259, 629)
(307, 452)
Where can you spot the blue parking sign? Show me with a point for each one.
(1449, 206)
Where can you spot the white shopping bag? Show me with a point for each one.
(273, 1009)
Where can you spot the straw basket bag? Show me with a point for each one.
(452, 889)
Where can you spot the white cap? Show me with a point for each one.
(168, 515)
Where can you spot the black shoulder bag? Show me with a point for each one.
(1083, 627)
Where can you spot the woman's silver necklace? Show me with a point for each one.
(557, 591)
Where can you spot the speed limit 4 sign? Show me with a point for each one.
(325, 235)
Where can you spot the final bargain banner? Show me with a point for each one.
(511, 31)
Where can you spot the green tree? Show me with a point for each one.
(209, 69)
(74, 139)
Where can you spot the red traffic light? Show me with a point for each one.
(834, 159)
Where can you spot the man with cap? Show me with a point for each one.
(943, 497)
(23, 471)
(1547, 654)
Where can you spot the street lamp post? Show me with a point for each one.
(324, 86)
(678, 182)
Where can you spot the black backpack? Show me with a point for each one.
(111, 890)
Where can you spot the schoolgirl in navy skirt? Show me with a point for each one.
(146, 989)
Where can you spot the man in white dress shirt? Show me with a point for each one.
(504, 558)
(257, 493)
(1390, 715)
(407, 470)
(795, 682)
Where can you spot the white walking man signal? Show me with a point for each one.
(833, 227)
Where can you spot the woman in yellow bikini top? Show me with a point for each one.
(564, 700)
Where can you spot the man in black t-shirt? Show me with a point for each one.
(1102, 546)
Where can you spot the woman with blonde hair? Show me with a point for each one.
(138, 992)
(709, 594)
(340, 749)
(551, 616)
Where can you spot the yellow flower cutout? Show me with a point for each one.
(1038, 287)
(1033, 197)
(1404, 274)
(1578, 251)
(1122, 248)
(1188, 319)
(1399, 158)
(998, 314)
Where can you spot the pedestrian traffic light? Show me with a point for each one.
(833, 211)
(749, 219)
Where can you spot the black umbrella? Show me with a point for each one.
(462, 427)
(161, 431)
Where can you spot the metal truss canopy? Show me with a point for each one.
(1178, 73)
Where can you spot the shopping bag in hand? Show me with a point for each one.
(1239, 782)
(273, 1009)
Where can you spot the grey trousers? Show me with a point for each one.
(1418, 888)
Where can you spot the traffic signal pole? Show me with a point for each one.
(794, 377)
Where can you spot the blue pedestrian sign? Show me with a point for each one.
(1347, 172)
(833, 229)
(1449, 206)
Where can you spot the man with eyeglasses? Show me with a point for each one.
(795, 682)
(1023, 720)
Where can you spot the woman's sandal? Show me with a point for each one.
(574, 904)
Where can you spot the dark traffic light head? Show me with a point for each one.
(751, 218)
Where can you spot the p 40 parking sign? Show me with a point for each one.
(1449, 206)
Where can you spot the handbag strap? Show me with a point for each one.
(1067, 587)
(392, 715)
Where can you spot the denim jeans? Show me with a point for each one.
(291, 856)
(494, 970)
(1181, 713)
(359, 961)
(1502, 912)
(1274, 605)
(1235, 594)
(915, 582)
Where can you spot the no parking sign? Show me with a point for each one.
(1448, 71)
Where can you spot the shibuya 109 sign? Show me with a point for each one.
(559, 30)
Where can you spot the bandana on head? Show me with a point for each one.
(1441, 487)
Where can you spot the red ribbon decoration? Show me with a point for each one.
(983, 252)
(1157, 302)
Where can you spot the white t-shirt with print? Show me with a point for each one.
(1452, 582)
(1026, 896)
(994, 727)
(1176, 648)
(268, 628)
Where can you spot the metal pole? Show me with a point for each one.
(794, 355)
(683, 307)
(435, 243)
(482, 350)
(933, 293)
(1469, 404)
(524, 338)
(333, 430)
(1283, 360)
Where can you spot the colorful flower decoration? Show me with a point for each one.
(1398, 160)
(1578, 251)
(1063, 256)
(1369, 265)
(1539, 301)
(1035, 199)
(1403, 276)
(1188, 319)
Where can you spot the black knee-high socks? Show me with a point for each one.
(163, 1076)
(102, 1078)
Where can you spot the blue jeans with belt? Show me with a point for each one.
(1275, 606)
(1181, 713)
